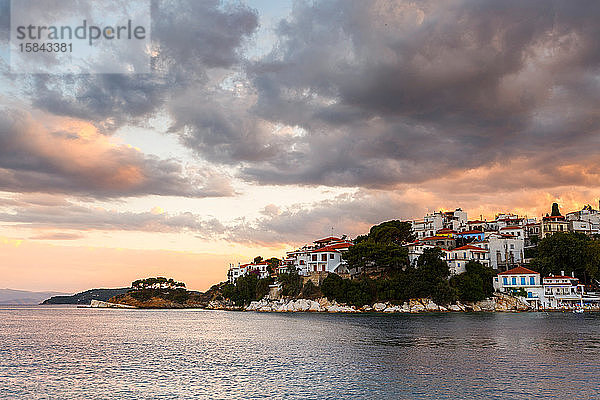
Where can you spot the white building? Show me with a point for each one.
(586, 221)
(260, 269)
(562, 291)
(505, 251)
(323, 255)
(513, 230)
(459, 257)
(521, 280)
(552, 292)
(431, 223)
(416, 249)
(329, 258)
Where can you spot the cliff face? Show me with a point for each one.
(153, 302)
(167, 299)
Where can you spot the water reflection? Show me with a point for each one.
(71, 353)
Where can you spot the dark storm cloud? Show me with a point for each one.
(374, 94)
(398, 92)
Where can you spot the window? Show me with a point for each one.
(532, 280)
(523, 281)
(332, 256)
(314, 257)
(323, 257)
(301, 262)
(512, 246)
(514, 280)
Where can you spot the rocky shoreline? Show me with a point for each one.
(498, 303)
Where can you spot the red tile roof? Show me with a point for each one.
(334, 247)
(327, 239)
(470, 232)
(469, 247)
(519, 271)
(436, 238)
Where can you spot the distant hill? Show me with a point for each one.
(87, 296)
(24, 297)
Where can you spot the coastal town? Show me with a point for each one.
(503, 244)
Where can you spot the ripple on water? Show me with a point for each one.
(70, 353)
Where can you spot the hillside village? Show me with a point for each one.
(504, 244)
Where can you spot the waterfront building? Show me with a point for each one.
(459, 257)
(323, 255)
(521, 281)
(260, 269)
(562, 291)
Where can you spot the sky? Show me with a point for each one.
(268, 124)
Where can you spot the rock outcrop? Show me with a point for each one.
(496, 303)
(106, 304)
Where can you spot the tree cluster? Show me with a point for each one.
(428, 279)
(382, 248)
(246, 289)
(145, 289)
(569, 252)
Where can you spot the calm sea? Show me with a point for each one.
(71, 353)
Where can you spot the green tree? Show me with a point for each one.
(291, 284)
(333, 287)
(397, 232)
(568, 252)
(273, 263)
(257, 259)
(368, 254)
(475, 284)
(310, 291)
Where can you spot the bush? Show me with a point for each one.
(291, 284)
(310, 291)
(475, 283)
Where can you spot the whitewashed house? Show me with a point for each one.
(506, 251)
(416, 249)
(459, 257)
(329, 258)
(520, 279)
(260, 269)
(431, 223)
(561, 291)
(324, 255)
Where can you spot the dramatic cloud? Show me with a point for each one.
(70, 156)
(69, 215)
(384, 93)
(189, 38)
